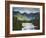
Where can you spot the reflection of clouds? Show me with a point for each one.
(28, 26)
(26, 10)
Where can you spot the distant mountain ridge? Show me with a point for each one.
(28, 15)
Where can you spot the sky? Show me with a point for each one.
(26, 10)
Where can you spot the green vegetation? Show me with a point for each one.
(19, 19)
(16, 24)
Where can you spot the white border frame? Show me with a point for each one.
(28, 31)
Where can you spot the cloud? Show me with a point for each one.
(26, 10)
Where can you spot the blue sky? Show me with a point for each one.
(27, 10)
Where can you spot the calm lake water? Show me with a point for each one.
(28, 26)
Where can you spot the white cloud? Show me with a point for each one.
(26, 10)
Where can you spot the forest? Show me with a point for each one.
(19, 18)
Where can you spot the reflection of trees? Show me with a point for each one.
(36, 22)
